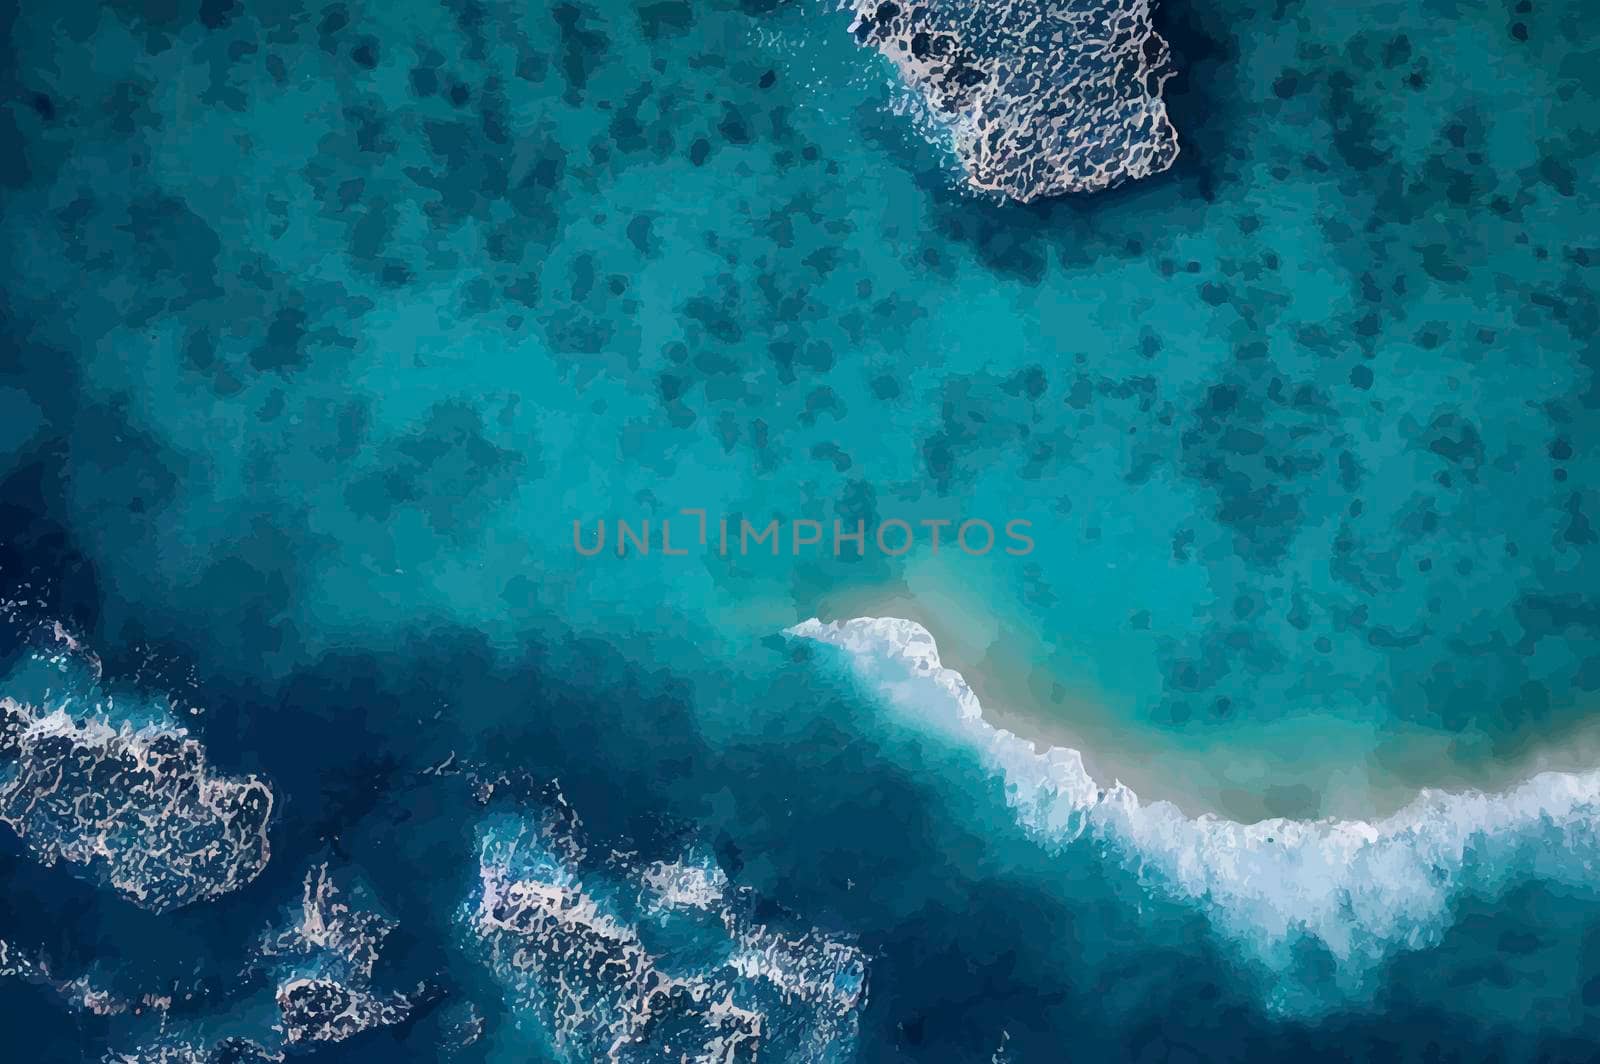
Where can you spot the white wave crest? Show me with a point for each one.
(1363, 890)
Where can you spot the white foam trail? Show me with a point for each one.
(1362, 889)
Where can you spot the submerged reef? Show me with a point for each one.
(325, 992)
(1041, 98)
(318, 965)
(138, 806)
(663, 962)
(326, 1010)
(227, 1051)
(83, 994)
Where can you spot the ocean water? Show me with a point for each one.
(335, 334)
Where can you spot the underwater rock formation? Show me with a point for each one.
(318, 965)
(227, 1051)
(326, 1010)
(139, 806)
(1041, 98)
(327, 994)
(664, 962)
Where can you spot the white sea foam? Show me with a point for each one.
(1039, 99)
(326, 960)
(568, 940)
(695, 882)
(1362, 890)
(82, 994)
(141, 806)
(119, 788)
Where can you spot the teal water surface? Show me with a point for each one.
(326, 325)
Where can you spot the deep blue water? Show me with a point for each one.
(326, 325)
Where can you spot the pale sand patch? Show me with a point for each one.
(1300, 767)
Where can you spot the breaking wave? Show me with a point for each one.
(1361, 891)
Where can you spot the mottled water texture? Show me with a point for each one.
(379, 302)
(323, 323)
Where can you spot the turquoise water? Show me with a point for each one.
(327, 323)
